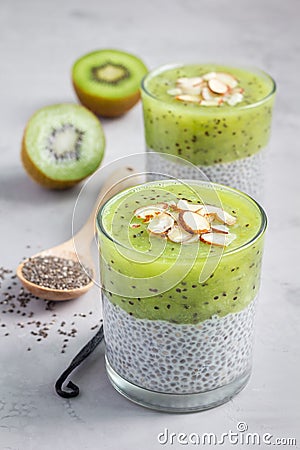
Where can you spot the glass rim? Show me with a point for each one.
(263, 225)
(165, 67)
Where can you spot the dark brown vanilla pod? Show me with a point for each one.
(79, 358)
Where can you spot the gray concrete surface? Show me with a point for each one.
(39, 40)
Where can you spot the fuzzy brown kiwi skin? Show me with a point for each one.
(106, 107)
(38, 176)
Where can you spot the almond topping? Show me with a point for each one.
(193, 81)
(192, 239)
(183, 80)
(218, 87)
(186, 206)
(189, 86)
(227, 79)
(174, 214)
(218, 239)
(147, 212)
(215, 102)
(192, 90)
(175, 91)
(179, 235)
(209, 76)
(237, 90)
(184, 222)
(161, 224)
(234, 99)
(221, 215)
(228, 218)
(193, 223)
(135, 225)
(219, 228)
(214, 89)
(210, 217)
(207, 94)
(189, 98)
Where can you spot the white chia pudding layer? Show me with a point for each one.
(246, 174)
(179, 359)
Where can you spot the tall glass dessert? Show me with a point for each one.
(180, 271)
(216, 117)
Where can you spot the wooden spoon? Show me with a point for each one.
(119, 180)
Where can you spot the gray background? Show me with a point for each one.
(39, 41)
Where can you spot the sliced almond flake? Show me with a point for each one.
(174, 213)
(228, 218)
(195, 81)
(217, 228)
(207, 94)
(194, 238)
(189, 98)
(217, 86)
(174, 92)
(227, 78)
(186, 206)
(238, 90)
(210, 217)
(161, 224)
(182, 80)
(180, 236)
(218, 239)
(221, 215)
(185, 81)
(208, 76)
(193, 222)
(146, 212)
(191, 90)
(234, 99)
(215, 102)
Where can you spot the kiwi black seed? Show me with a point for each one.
(108, 81)
(70, 153)
(62, 144)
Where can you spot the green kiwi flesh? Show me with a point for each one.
(110, 74)
(64, 143)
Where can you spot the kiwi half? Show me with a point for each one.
(62, 144)
(108, 81)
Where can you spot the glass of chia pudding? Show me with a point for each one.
(180, 267)
(214, 116)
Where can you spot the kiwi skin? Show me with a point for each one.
(36, 175)
(106, 107)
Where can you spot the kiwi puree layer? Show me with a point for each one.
(152, 278)
(206, 135)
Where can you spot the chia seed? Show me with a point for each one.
(56, 273)
(16, 302)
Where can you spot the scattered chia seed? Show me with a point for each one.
(39, 319)
(56, 273)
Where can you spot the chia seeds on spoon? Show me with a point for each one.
(22, 310)
(56, 273)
